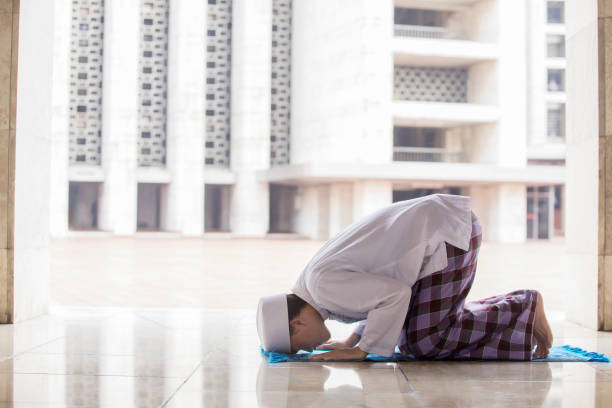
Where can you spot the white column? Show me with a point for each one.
(32, 161)
(501, 211)
(585, 175)
(341, 212)
(185, 119)
(512, 70)
(537, 75)
(250, 116)
(120, 116)
(369, 196)
(58, 199)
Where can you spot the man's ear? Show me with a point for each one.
(295, 325)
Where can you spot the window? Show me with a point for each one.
(555, 46)
(556, 80)
(148, 37)
(556, 121)
(83, 27)
(419, 17)
(146, 86)
(145, 135)
(82, 60)
(555, 12)
(147, 54)
(83, 43)
(82, 92)
(148, 21)
(81, 108)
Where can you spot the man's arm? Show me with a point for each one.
(385, 300)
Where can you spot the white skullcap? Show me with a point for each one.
(273, 323)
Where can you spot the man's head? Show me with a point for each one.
(306, 326)
(287, 323)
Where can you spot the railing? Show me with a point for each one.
(426, 154)
(417, 31)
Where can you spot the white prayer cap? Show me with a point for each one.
(273, 323)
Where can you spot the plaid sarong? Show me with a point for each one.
(441, 325)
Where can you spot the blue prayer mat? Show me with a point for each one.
(559, 353)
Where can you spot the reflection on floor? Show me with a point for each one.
(117, 357)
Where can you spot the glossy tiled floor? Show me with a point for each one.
(119, 357)
(169, 322)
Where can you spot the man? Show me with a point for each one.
(404, 272)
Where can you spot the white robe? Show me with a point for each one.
(367, 270)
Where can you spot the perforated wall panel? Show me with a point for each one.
(281, 83)
(85, 93)
(153, 64)
(430, 84)
(218, 71)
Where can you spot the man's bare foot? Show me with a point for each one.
(542, 334)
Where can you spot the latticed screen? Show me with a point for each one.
(218, 71)
(152, 81)
(85, 104)
(430, 84)
(281, 82)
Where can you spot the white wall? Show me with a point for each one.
(341, 81)
(478, 23)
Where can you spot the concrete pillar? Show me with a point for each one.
(369, 196)
(312, 212)
(25, 138)
(250, 116)
(512, 64)
(185, 119)
(59, 135)
(118, 202)
(589, 162)
(537, 73)
(501, 211)
(341, 212)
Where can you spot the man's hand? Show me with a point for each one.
(354, 353)
(351, 341)
(333, 345)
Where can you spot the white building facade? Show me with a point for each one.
(301, 116)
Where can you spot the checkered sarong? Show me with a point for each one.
(441, 325)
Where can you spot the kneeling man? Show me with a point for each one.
(403, 273)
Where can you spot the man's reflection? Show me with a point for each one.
(314, 385)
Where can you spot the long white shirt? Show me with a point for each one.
(366, 271)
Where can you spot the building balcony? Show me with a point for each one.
(460, 174)
(433, 46)
(440, 114)
(426, 154)
(420, 31)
